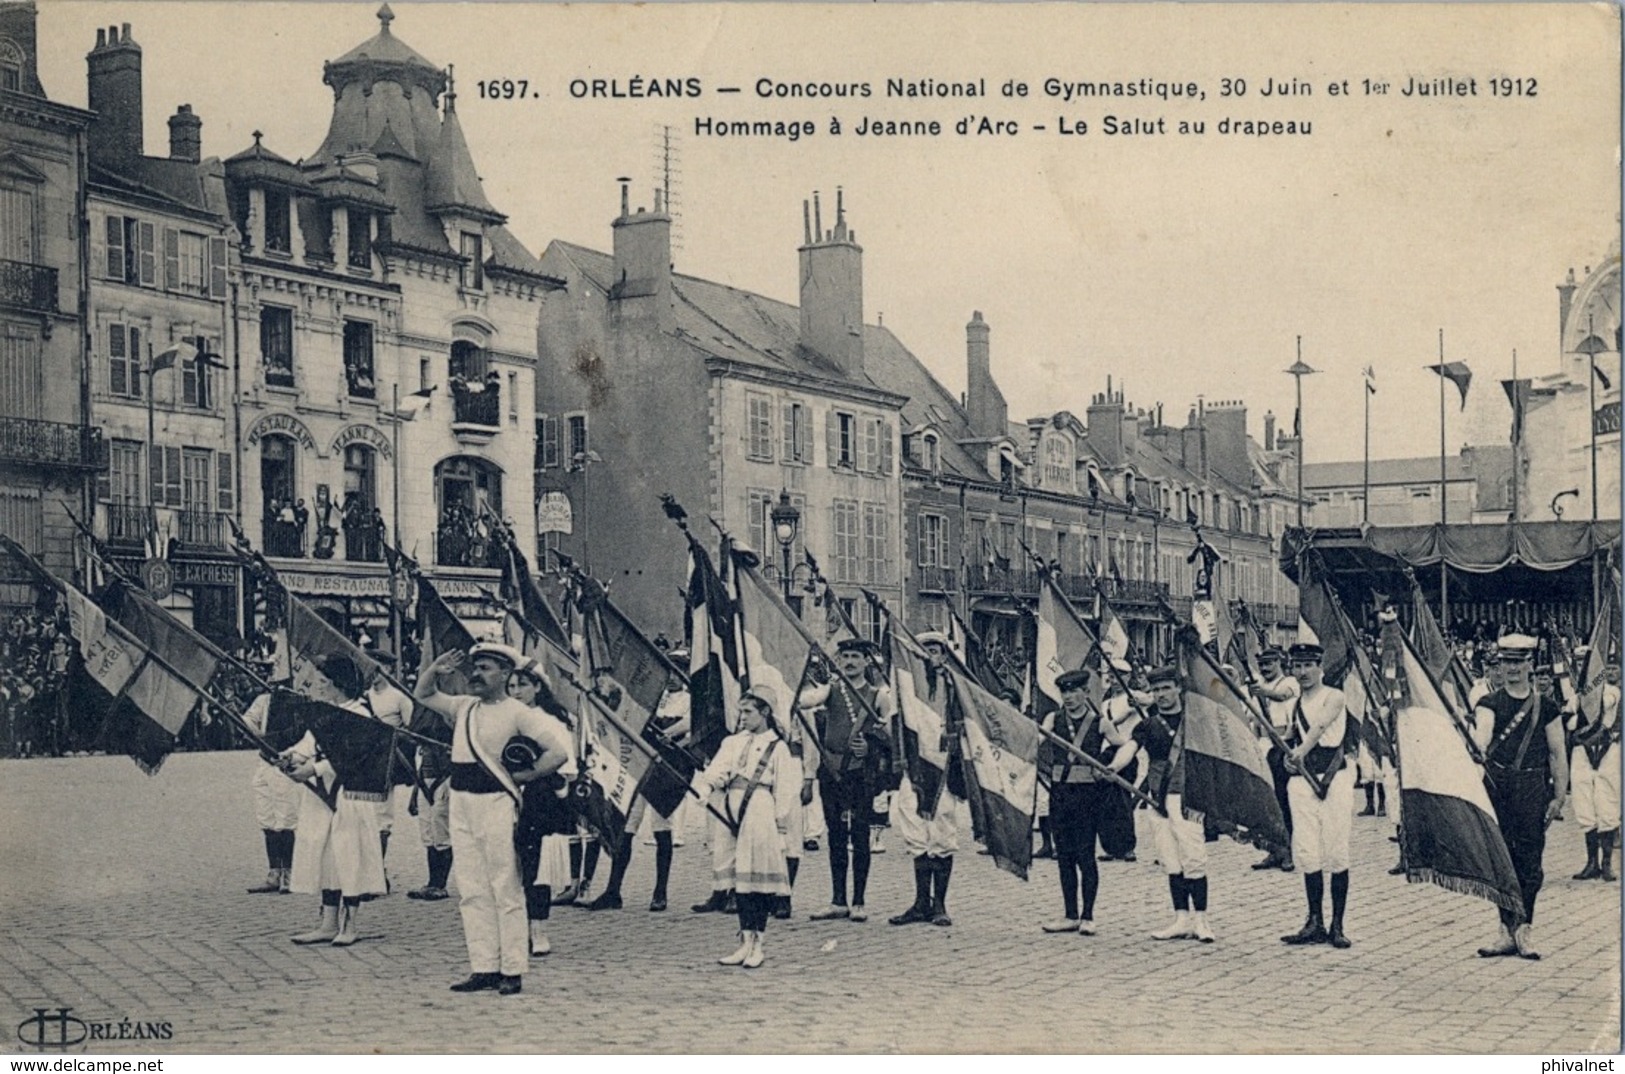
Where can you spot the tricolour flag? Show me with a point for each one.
(1063, 644)
(1436, 654)
(616, 768)
(1345, 663)
(1450, 833)
(713, 653)
(439, 632)
(1000, 748)
(922, 698)
(1226, 778)
(311, 639)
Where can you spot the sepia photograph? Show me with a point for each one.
(810, 529)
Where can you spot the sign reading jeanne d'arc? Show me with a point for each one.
(283, 425)
(553, 514)
(363, 434)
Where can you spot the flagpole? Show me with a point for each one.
(1444, 500)
(1591, 384)
(395, 524)
(1365, 484)
(1517, 432)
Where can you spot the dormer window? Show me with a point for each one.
(473, 251)
(359, 239)
(930, 453)
(278, 222)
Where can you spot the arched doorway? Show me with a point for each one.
(358, 508)
(285, 515)
(467, 490)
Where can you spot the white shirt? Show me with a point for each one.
(389, 704)
(492, 723)
(1326, 707)
(1281, 711)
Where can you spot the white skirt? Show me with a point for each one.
(337, 849)
(554, 870)
(758, 850)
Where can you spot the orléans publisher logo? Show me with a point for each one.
(59, 1028)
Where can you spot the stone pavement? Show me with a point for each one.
(122, 897)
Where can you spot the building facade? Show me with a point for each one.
(388, 327)
(49, 449)
(1570, 440)
(160, 347)
(1405, 492)
(652, 382)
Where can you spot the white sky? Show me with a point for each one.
(1179, 265)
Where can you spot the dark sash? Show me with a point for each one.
(750, 788)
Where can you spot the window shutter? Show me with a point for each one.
(923, 524)
(104, 485)
(172, 259)
(832, 438)
(790, 434)
(885, 447)
(757, 523)
(118, 381)
(134, 359)
(155, 466)
(217, 267)
(226, 499)
(98, 246)
(115, 248)
(804, 448)
(149, 254)
(550, 441)
(172, 476)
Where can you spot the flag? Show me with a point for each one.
(1370, 381)
(1436, 654)
(921, 692)
(311, 640)
(775, 645)
(1345, 663)
(519, 583)
(1518, 392)
(1113, 635)
(170, 686)
(178, 353)
(439, 632)
(1063, 644)
(1458, 374)
(411, 404)
(1450, 833)
(713, 668)
(1000, 748)
(359, 747)
(1226, 778)
(1589, 680)
(614, 767)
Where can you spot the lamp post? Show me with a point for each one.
(579, 464)
(786, 519)
(1298, 371)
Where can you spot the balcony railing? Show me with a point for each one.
(201, 529)
(128, 524)
(1078, 587)
(477, 407)
(1135, 591)
(283, 538)
(33, 287)
(462, 542)
(983, 579)
(50, 443)
(936, 579)
(363, 544)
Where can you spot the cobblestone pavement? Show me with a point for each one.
(123, 897)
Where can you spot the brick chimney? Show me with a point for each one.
(1269, 430)
(1227, 442)
(185, 135)
(642, 285)
(115, 96)
(1105, 421)
(984, 403)
(832, 287)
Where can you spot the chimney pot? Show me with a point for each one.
(101, 42)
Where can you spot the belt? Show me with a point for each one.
(472, 778)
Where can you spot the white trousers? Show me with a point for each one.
(1181, 843)
(276, 799)
(1595, 790)
(1321, 826)
(434, 821)
(939, 836)
(487, 874)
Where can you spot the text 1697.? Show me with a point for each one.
(1512, 87)
(505, 89)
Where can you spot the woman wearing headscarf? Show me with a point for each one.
(760, 781)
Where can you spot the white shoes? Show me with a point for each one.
(1180, 929)
(757, 956)
(1062, 924)
(347, 934)
(538, 941)
(324, 932)
(746, 946)
(1086, 927)
(1199, 927)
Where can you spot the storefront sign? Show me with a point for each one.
(1606, 419)
(336, 585)
(363, 434)
(190, 573)
(283, 425)
(157, 578)
(553, 514)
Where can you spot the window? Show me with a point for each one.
(225, 486)
(547, 441)
(877, 544)
(797, 434)
(124, 360)
(17, 224)
(276, 345)
(759, 426)
(848, 545)
(186, 262)
(166, 477)
(358, 373)
(513, 398)
(195, 466)
(473, 270)
(933, 541)
(124, 472)
(359, 241)
(362, 536)
(278, 222)
(869, 446)
(467, 490)
(577, 425)
(285, 517)
(11, 76)
(930, 453)
(840, 436)
(196, 375)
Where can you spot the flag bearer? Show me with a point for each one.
(1279, 693)
(933, 841)
(1181, 843)
(276, 804)
(1594, 764)
(1321, 823)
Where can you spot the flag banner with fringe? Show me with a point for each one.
(1001, 773)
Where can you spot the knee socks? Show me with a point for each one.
(1340, 897)
(663, 846)
(1179, 888)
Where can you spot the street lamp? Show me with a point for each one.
(786, 519)
(1298, 371)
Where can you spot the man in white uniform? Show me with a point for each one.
(932, 841)
(276, 805)
(485, 809)
(1321, 824)
(1594, 769)
(1279, 694)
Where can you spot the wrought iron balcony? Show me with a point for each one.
(983, 579)
(31, 287)
(50, 443)
(1135, 591)
(201, 529)
(128, 524)
(283, 537)
(936, 579)
(477, 407)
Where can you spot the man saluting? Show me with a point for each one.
(485, 808)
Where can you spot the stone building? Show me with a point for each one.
(1405, 492)
(161, 381)
(388, 320)
(655, 382)
(49, 448)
